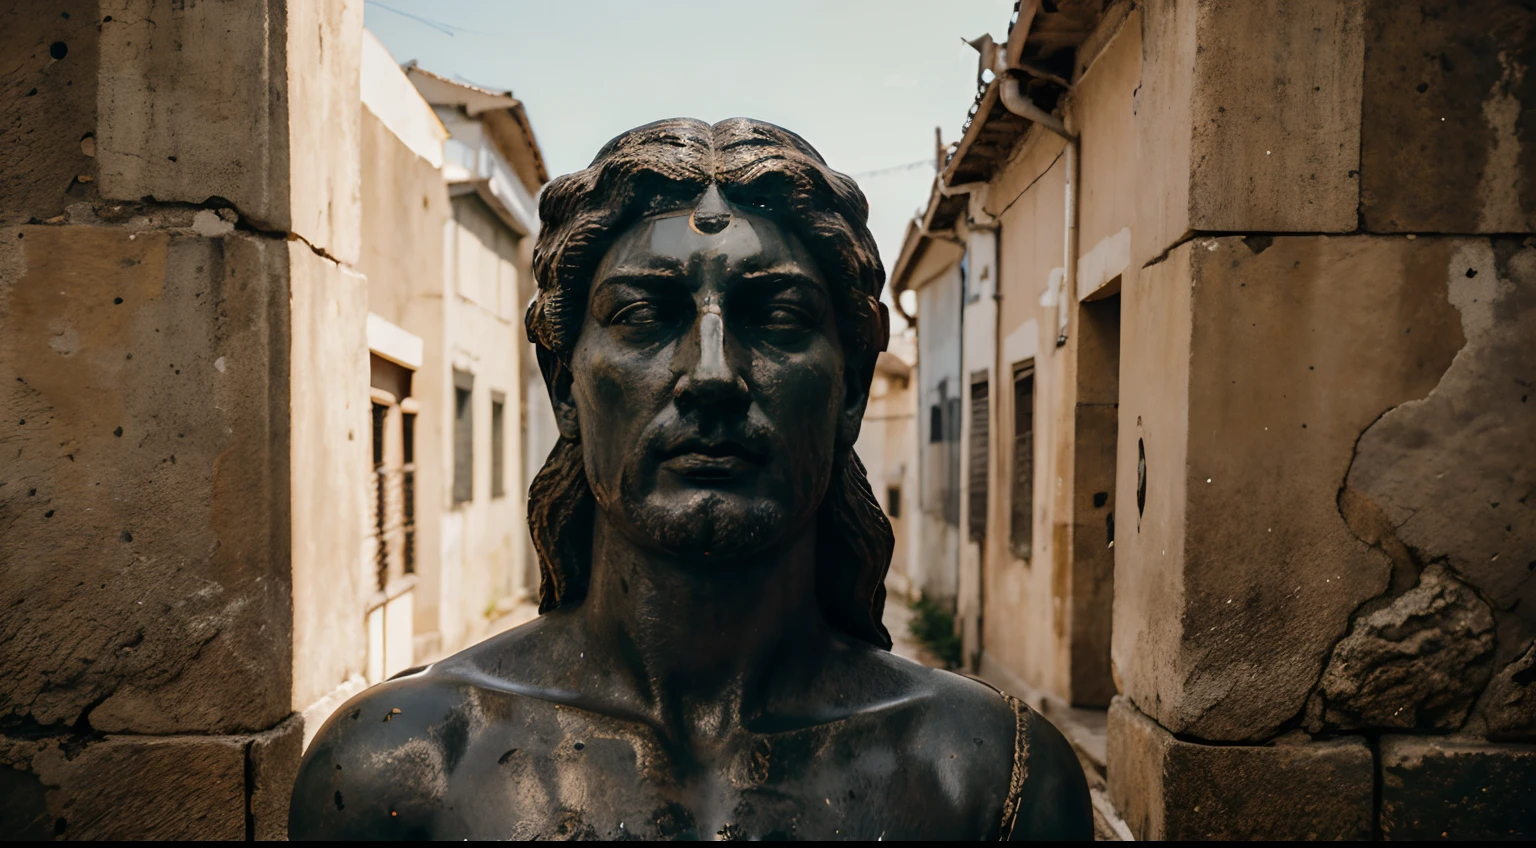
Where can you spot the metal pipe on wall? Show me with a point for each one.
(1016, 101)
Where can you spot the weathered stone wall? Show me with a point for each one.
(1348, 544)
(177, 323)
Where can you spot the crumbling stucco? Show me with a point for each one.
(1419, 662)
(1448, 479)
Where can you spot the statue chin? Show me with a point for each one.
(702, 523)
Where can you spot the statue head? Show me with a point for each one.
(707, 324)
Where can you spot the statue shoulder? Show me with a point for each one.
(1022, 774)
(1051, 800)
(376, 767)
(380, 765)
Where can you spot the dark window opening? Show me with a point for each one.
(408, 493)
(893, 501)
(380, 415)
(498, 446)
(952, 461)
(1021, 527)
(981, 407)
(463, 437)
(940, 494)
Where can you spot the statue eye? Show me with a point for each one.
(785, 315)
(786, 318)
(641, 313)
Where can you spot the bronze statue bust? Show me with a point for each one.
(710, 660)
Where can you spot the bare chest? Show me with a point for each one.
(570, 775)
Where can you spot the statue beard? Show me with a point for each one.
(706, 524)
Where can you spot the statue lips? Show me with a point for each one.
(711, 461)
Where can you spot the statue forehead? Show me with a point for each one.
(676, 236)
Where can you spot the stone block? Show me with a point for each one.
(1448, 144)
(274, 760)
(128, 787)
(1275, 116)
(1167, 788)
(213, 122)
(1249, 114)
(145, 480)
(1437, 788)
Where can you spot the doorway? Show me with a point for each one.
(1096, 425)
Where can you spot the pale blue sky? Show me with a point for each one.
(865, 81)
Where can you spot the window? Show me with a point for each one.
(498, 445)
(893, 501)
(977, 461)
(380, 415)
(940, 494)
(463, 437)
(408, 434)
(952, 460)
(380, 497)
(1021, 518)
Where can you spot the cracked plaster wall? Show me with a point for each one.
(1446, 482)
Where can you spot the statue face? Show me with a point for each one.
(707, 384)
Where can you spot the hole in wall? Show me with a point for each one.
(1141, 477)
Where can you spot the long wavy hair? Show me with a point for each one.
(664, 167)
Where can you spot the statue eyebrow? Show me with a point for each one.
(786, 274)
(651, 266)
(643, 276)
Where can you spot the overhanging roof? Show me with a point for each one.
(495, 107)
(1046, 43)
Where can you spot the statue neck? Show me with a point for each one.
(704, 637)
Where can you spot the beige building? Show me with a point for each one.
(449, 175)
(887, 447)
(1244, 452)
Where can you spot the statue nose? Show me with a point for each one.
(710, 377)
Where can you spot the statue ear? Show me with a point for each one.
(557, 380)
